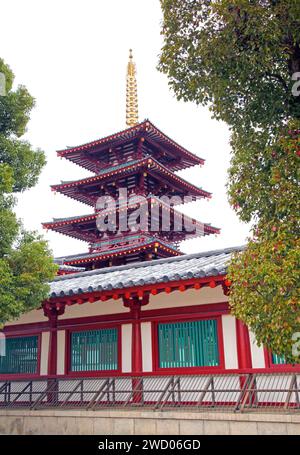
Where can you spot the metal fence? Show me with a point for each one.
(230, 392)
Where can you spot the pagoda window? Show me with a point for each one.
(94, 350)
(20, 356)
(188, 344)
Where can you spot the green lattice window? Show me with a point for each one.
(188, 344)
(278, 359)
(94, 350)
(21, 356)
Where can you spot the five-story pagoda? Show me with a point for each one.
(133, 193)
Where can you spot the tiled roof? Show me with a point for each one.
(211, 263)
(112, 250)
(69, 188)
(69, 225)
(145, 128)
(92, 257)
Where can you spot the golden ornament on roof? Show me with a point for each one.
(131, 94)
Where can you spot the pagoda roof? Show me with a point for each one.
(173, 269)
(86, 258)
(153, 168)
(84, 154)
(70, 225)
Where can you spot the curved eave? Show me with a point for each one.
(75, 153)
(69, 226)
(73, 233)
(130, 250)
(149, 164)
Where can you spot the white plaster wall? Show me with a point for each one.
(61, 344)
(190, 297)
(229, 340)
(257, 353)
(163, 300)
(94, 309)
(126, 334)
(146, 345)
(27, 318)
(74, 311)
(44, 353)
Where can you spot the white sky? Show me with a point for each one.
(72, 56)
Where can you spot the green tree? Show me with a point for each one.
(26, 264)
(265, 277)
(242, 59)
(237, 56)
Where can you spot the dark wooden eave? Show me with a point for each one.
(87, 190)
(98, 153)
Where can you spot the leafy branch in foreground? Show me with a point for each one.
(26, 264)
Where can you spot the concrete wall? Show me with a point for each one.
(114, 422)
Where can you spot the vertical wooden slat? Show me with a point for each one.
(188, 344)
(21, 356)
(94, 350)
(278, 359)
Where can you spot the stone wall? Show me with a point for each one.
(116, 422)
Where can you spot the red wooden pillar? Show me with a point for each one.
(136, 351)
(52, 353)
(243, 345)
(52, 312)
(135, 303)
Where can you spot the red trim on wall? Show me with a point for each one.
(209, 309)
(146, 315)
(21, 329)
(295, 369)
(149, 315)
(188, 370)
(190, 312)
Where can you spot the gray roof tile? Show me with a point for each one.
(198, 265)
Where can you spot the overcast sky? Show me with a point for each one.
(72, 56)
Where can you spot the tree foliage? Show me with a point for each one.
(241, 58)
(265, 277)
(26, 264)
(237, 56)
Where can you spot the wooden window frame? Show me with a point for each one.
(38, 363)
(188, 370)
(93, 373)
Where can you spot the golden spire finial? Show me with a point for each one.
(131, 93)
